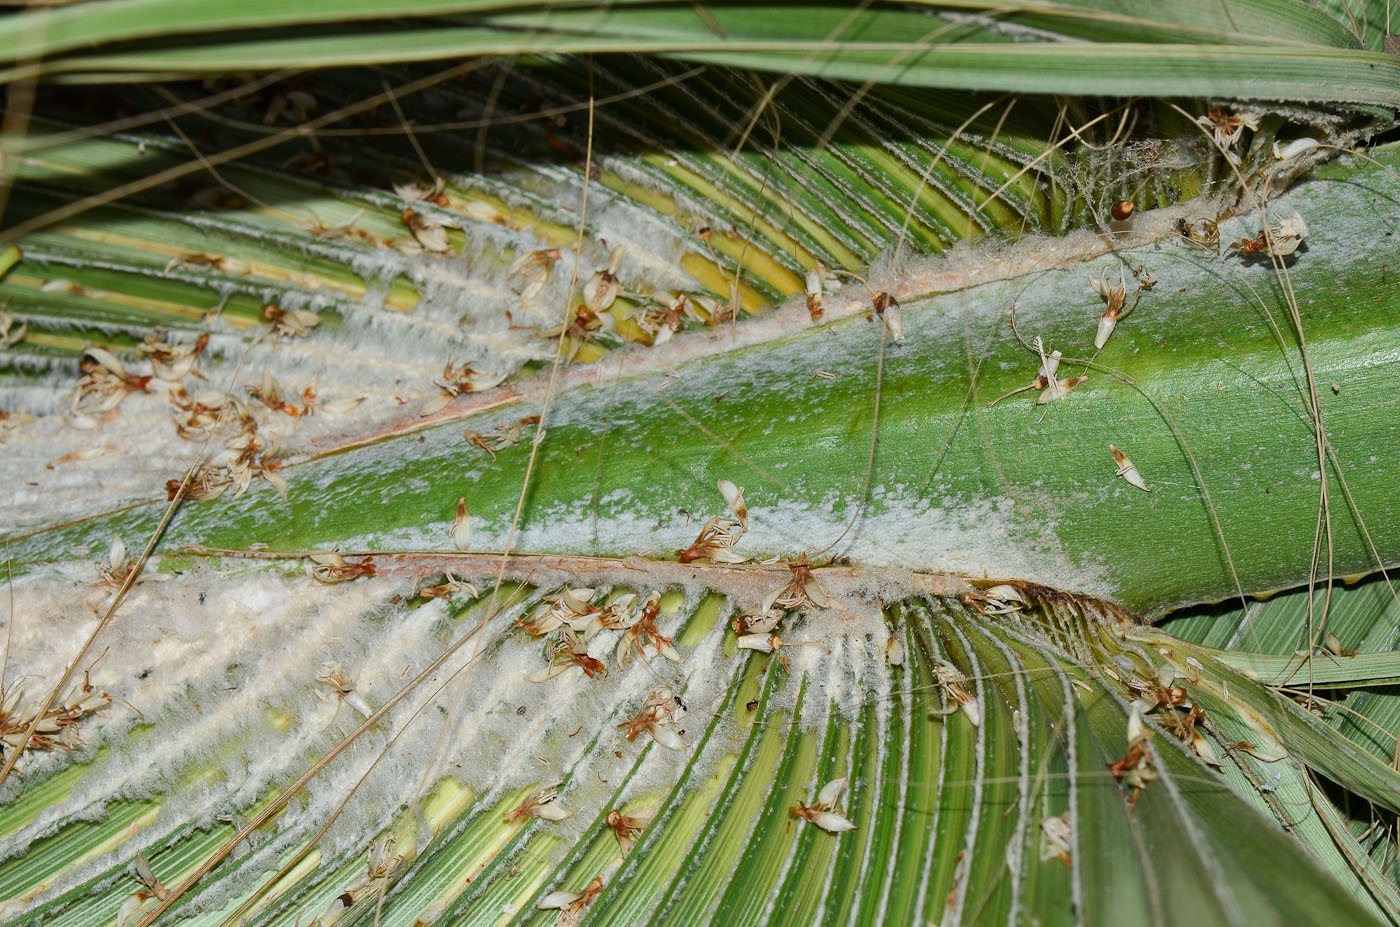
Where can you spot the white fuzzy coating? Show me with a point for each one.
(222, 664)
(461, 316)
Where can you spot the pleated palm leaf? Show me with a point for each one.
(482, 462)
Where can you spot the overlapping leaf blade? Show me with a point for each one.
(948, 812)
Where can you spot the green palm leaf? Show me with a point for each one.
(957, 568)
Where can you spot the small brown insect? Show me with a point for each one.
(1121, 210)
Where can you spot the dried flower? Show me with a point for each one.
(1045, 374)
(823, 812)
(329, 567)
(542, 804)
(887, 308)
(331, 674)
(458, 380)
(418, 192)
(567, 608)
(428, 230)
(815, 293)
(955, 687)
(573, 905)
(1058, 389)
(1135, 768)
(626, 827)
(173, 362)
(661, 322)
(734, 498)
(716, 542)
(657, 718)
(1001, 599)
(1057, 834)
(582, 324)
(462, 527)
(1226, 128)
(1115, 298)
(509, 434)
(603, 288)
(763, 623)
(451, 586)
(380, 868)
(57, 727)
(291, 322)
(1281, 239)
(138, 901)
(1127, 469)
(13, 421)
(118, 565)
(534, 266)
(104, 383)
(643, 633)
(566, 653)
(9, 334)
(801, 592)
